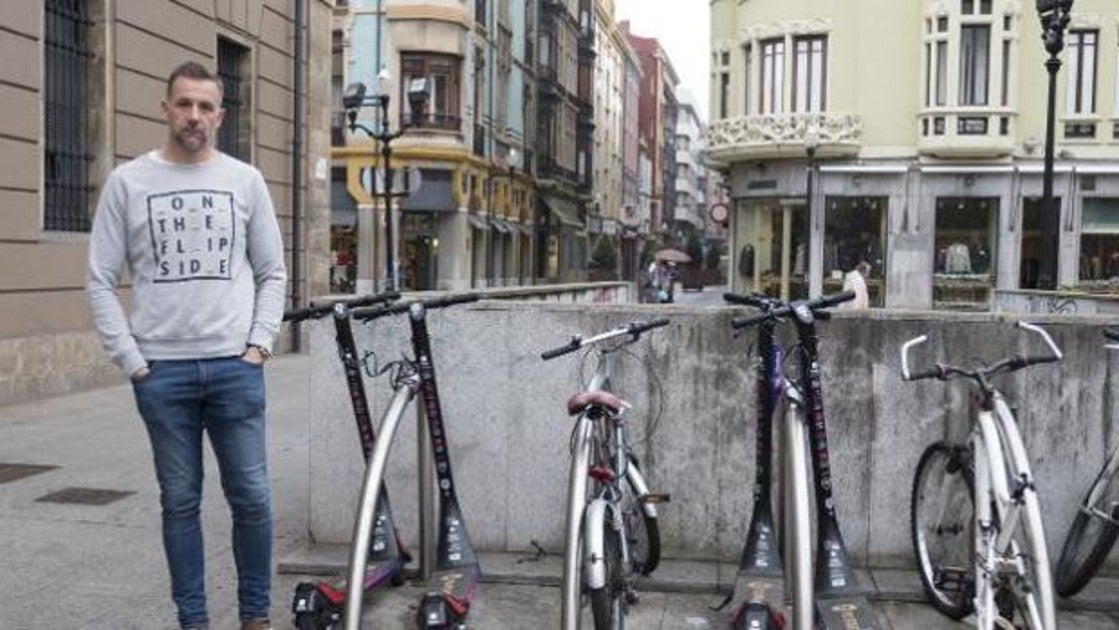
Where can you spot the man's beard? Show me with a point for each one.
(191, 139)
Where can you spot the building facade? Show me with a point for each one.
(656, 125)
(635, 214)
(691, 172)
(605, 225)
(916, 148)
(471, 220)
(81, 90)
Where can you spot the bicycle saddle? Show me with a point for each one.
(578, 403)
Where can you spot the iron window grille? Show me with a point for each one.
(67, 156)
(233, 135)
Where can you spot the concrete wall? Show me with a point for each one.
(1064, 303)
(693, 420)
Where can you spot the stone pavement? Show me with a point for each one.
(94, 560)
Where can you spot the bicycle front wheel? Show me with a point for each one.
(942, 522)
(608, 604)
(1032, 587)
(1090, 537)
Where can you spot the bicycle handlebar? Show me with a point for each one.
(317, 311)
(785, 308)
(943, 371)
(373, 312)
(756, 300)
(635, 329)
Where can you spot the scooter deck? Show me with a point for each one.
(847, 613)
(758, 603)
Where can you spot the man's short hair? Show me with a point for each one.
(196, 71)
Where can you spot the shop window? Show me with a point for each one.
(773, 257)
(854, 232)
(1099, 241)
(966, 229)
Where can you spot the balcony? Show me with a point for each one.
(972, 132)
(432, 121)
(770, 136)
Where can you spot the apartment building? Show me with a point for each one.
(691, 172)
(657, 126)
(910, 135)
(81, 88)
(606, 218)
(471, 220)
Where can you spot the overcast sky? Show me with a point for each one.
(685, 34)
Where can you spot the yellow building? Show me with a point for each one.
(916, 131)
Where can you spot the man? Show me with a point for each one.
(855, 280)
(205, 256)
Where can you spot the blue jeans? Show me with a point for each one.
(225, 398)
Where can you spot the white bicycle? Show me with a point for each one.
(976, 522)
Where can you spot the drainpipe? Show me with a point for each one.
(297, 177)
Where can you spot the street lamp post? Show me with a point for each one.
(509, 173)
(1054, 15)
(354, 98)
(811, 143)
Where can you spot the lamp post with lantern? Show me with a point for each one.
(1054, 15)
(419, 91)
(811, 144)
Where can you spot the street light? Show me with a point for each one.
(511, 168)
(1054, 15)
(811, 143)
(419, 90)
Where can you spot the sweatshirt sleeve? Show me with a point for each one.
(266, 255)
(108, 251)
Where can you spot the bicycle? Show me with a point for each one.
(319, 605)
(613, 535)
(1095, 527)
(832, 598)
(456, 568)
(974, 513)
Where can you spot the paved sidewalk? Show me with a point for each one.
(77, 566)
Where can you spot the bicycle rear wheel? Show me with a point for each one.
(1090, 537)
(608, 604)
(642, 531)
(942, 522)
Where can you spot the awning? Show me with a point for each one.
(477, 222)
(525, 229)
(562, 210)
(500, 226)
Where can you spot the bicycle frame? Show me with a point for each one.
(1000, 456)
(591, 516)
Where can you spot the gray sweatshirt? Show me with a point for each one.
(204, 253)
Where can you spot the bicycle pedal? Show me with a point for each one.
(656, 497)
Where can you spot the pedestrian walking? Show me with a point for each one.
(198, 234)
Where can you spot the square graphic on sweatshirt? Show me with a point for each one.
(193, 234)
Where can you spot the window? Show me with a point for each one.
(854, 232)
(941, 74)
(748, 65)
(1081, 59)
(773, 77)
(975, 44)
(233, 68)
(443, 105)
(67, 156)
(810, 74)
(965, 250)
(1006, 43)
(724, 89)
(1099, 240)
